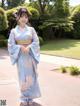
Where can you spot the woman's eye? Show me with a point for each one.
(26, 17)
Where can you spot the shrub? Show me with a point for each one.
(56, 28)
(3, 20)
(3, 43)
(63, 69)
(34, 12)
(41, 40)
(2, 37)
(74, 70)
(11, 18)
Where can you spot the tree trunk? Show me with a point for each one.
(2, 3)
(41, 7)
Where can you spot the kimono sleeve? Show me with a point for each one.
(34, 46)
(13, 48)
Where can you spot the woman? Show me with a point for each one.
(24, 50)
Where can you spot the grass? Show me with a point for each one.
(66, 48)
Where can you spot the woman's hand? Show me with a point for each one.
(25, 49)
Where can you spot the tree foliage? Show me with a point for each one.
(61, 8)
(59, 20)
(75, 16)
(8, 4)
(42, 4)
(3, 20)
(14, 3)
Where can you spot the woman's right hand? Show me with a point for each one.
(23, 49)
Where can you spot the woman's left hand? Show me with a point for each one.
(27, 49)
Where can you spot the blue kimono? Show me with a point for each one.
(26, 62)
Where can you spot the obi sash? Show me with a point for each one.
(24, 42)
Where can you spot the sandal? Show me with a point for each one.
(30, 103)
(23, 104)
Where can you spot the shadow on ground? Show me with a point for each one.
(34, 104)
(59, 44)
(3, 53)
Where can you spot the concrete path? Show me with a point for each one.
(57, 89)
(60, 60)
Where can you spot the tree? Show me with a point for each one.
(14, 3)
(3, 3)
(61, 8)
(11, 3)
(75, 16)
(42, 4)
(67, 8)
(59, 22)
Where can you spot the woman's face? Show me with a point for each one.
(23, 19)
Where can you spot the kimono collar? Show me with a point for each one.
(26, 27)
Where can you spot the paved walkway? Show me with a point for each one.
(57, 89)
(60, 60)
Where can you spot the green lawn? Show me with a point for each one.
(66, 48)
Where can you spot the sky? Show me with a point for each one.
(72, 2)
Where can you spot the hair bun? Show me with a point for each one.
(15, 14)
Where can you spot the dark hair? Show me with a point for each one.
(18, 14)
(22, 11)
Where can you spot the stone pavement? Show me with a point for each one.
(57, 89)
